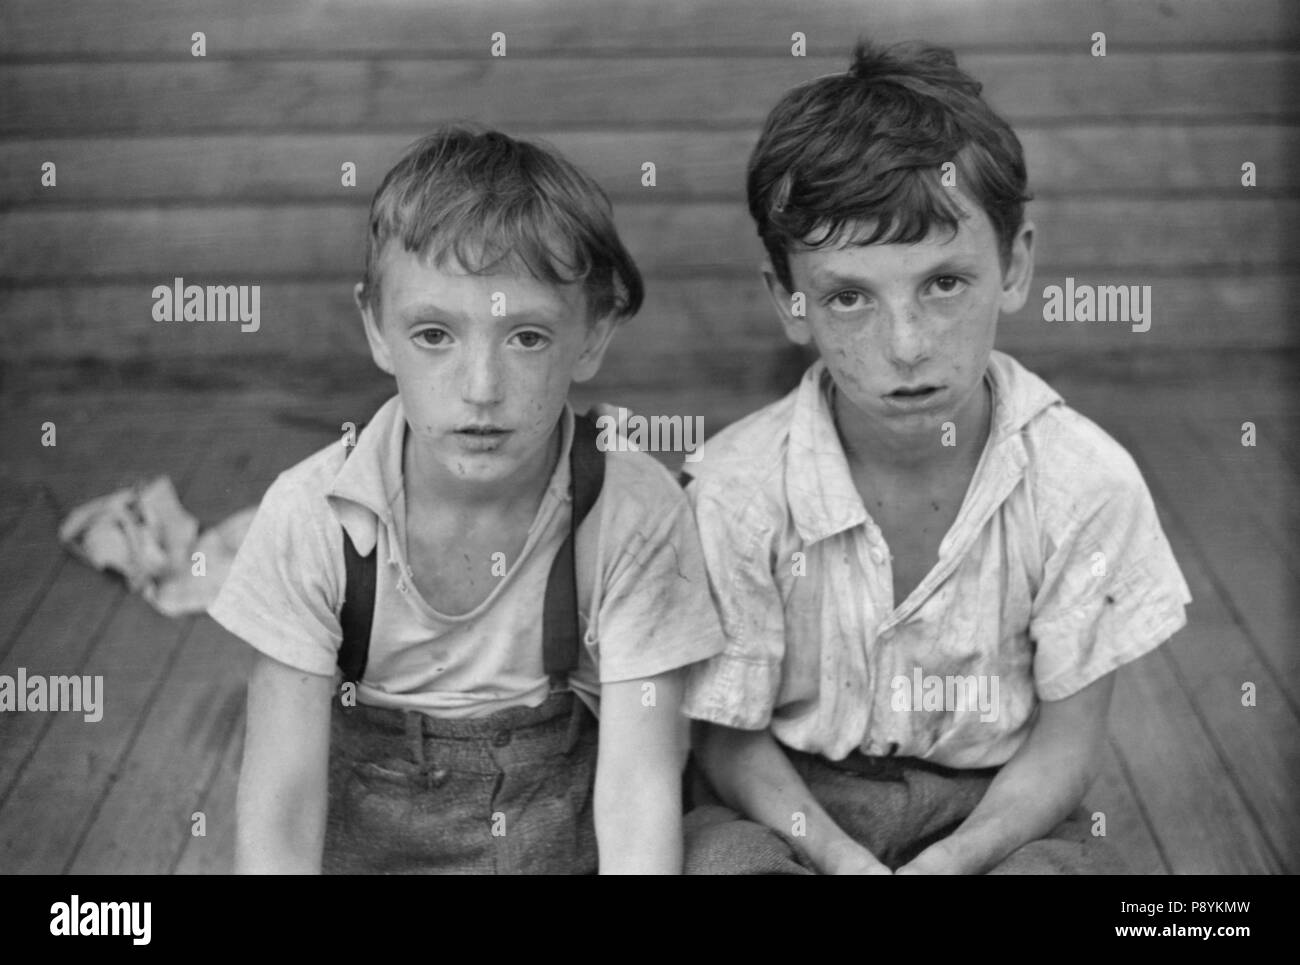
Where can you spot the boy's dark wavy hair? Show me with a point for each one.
(495, 202)
(869, 146)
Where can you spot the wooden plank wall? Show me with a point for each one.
(225, 169)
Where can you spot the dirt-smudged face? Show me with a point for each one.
(906, 330)
(483, 365)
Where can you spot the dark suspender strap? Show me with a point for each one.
(358, 610)
(357, 614)
(561, 640)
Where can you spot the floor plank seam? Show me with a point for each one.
(210, 784)
(33, 607)
(199, 459)
(1225, 760)
(1285, 549)
(10, 526)
(128, 745)
(1143, 812)
(1170, 507)
(96, 636)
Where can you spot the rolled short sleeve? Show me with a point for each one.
(739, 687)
(655, 613)
(1112, 590)
(284, 587)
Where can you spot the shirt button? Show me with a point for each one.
(401, 585)
(501, 738)
(878, 556)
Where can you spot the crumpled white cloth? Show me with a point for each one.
(144, 533)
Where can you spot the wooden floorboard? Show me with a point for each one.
(1258, 584)
(1273, 463)
(142, 813)
(1258, 746)
(1128, 828)
(30, 559)
(1203, 824)
(79, 600)
(1233, 504)
(1275, 412)
(146, 817)
(102, 442)
(55, 642)
(15, 503)
(1260, 474)
(214, 852)
(1261, 742)
(52, 800)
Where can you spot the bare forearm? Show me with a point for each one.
(275, 855)
(1041, 784)
(281, 805)
(639, 823)
(272, 839)
(752, 774)
(638, 792)
(1032, 794)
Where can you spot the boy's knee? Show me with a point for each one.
(1070, 849)
(718, 841)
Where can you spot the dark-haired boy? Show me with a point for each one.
(497, 621)
(928, 567)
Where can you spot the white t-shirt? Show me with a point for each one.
(642, 591)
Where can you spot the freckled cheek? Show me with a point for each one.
(860, 351)
(969, 322)
(838, 341)
(416, 366)
(987, 308)
(851, 368)
(851, 355)
(539, 392)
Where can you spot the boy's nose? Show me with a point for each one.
(907, 343)
(481, 380)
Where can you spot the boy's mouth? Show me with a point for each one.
(913, 392)
(482, 430)
(481, 438)
(913, 398)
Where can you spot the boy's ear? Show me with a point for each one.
(1020, 270)
(599, 334)
(374, 335)
(793, 314)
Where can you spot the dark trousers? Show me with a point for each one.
(894, 807)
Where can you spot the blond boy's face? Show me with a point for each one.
(906, 330)
(483, 364)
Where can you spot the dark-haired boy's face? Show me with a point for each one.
(483, 365)
(906, 330)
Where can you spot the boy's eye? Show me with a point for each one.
(431, 337)
(949, 284)
(847, 300)
(532, 339)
